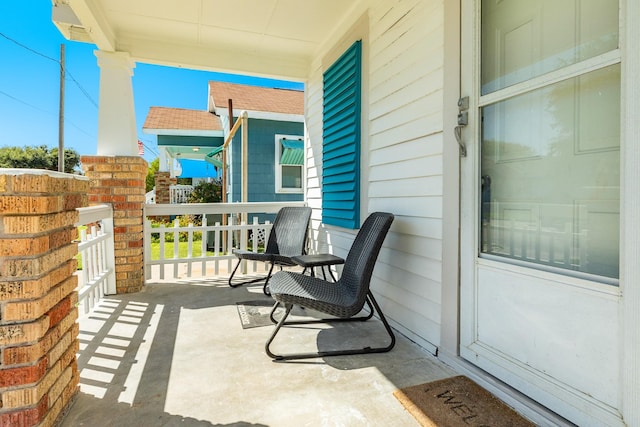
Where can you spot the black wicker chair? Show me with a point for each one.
(287, 239)
(343, 299)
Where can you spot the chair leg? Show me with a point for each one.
(233, 273)
(246, 282)
(288, 308)
(273, 312)
(366, 350)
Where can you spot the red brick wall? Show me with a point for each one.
(120, 181)
(163, 181)
(38, 329)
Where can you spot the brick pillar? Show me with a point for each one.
(163, 182)
(38, 330)
(120, 181)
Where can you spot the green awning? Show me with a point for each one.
(215, 157)
(292, 152)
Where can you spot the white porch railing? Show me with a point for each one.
(96, 251)
(212, 240)
(179, 193)
(150, 197)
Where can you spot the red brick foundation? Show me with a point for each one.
(120, 181)
(38, 329)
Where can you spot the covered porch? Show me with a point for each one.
(176, 354)
(416, 149)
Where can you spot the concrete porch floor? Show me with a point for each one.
(176, 354)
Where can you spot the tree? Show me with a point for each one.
(38, 157)
(150, 180)
(206, 192)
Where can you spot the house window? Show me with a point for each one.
(341, 140)
(289, 164)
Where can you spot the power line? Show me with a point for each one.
(23, 102)
(82, 89)
(29, 49)
(68, 73)
(45, 111)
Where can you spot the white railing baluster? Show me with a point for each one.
(176, 244)
(94, 255)
(109, 255)
(96, 250)
(189, 249)
(162, 257)
(203, 244)
(230, 234)
(147, 236)
(179, 193)
(217, 247)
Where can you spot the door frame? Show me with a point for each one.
(630, 211)
(629, 308)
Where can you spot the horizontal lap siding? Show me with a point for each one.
(313, 121)
(405, 161)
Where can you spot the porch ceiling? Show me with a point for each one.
(194, 152)
(276, 38)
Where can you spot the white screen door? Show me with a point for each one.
(541, 200)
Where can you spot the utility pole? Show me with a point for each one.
(61, 114)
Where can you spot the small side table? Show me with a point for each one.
(318, 260)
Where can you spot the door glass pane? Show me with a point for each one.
(522, 39)
(550, 175)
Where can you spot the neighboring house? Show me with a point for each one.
(503, 135)
(275, 135)
(192, 139)
(183, 137)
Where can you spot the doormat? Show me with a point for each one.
(457, 402)
(256, 313)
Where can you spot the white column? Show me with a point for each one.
(164, 160)
(117, 131)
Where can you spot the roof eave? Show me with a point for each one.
(264, 115)
(183, 132)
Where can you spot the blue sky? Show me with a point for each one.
(30, 84)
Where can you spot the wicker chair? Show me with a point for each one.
(343, 299)
(287, 239)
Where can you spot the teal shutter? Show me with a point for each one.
(341, 140)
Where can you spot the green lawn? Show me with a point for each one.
(183, 248)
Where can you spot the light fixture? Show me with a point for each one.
(196, 149)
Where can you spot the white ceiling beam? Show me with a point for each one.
(213, 59)
(96, 25)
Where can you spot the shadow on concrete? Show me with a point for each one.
(176, 354)
(125, 358)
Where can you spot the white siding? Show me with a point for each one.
(402, 160)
